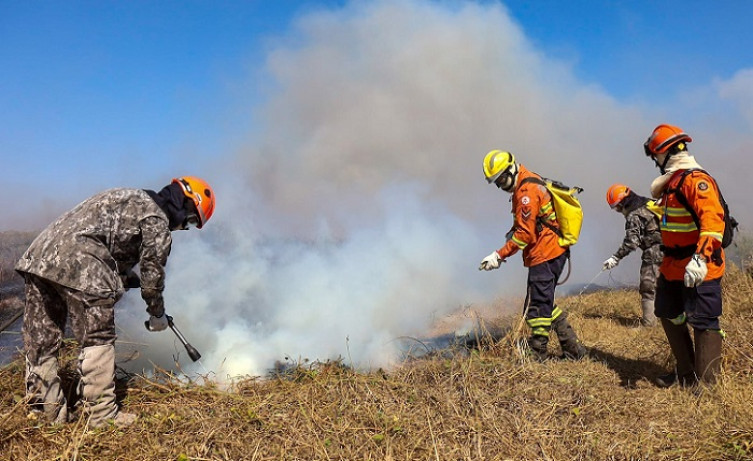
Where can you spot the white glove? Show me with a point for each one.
(695, 271)
(490, 262)
(610, 263)
(156, 323)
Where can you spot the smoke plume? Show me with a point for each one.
(356, 211)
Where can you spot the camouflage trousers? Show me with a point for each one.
(48, 307)
(649, 273)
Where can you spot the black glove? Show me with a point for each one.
(131, 280)
(156, 306)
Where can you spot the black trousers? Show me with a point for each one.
(542, 281)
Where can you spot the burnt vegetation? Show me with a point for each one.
(488, 401)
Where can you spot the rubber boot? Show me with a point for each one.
(43, 390)
(647, 307)
(572, 348)
(681, 344)
(708, 357)
(538, 346)
(97, 387)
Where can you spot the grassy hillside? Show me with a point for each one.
(490, 404)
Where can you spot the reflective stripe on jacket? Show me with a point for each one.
(680, 231)
(529, 202)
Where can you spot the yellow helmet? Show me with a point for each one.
(501, 169)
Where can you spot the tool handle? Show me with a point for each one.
(192, 352)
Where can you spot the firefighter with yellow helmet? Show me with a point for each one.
(534, 231)
(641, 231)
(688, 291)
(79, 267)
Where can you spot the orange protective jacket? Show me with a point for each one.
(679, 230)
(538, 242)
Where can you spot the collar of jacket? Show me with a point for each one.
(633, 201)
(172, 201)
(523, 173)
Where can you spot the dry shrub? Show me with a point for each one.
(491, 403)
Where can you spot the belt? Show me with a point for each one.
(678, 252)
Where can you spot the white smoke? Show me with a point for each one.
(356, 211)
(246, 302)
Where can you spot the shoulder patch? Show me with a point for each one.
(525, 200)
(703, 185)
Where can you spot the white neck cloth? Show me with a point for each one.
(679, 161)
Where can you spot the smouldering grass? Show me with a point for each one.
(493, 403)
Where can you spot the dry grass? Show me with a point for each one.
(491, 404)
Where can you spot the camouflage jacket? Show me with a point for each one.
(91, 247)
(641, 231)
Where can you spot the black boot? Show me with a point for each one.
(538, 346)
(666, 380)
(572, 348)
(681, 344)
(708, 358)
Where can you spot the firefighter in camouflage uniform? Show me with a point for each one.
(79, 267)
(534, 232)
(641, 231)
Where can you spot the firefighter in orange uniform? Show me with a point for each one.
(535, 232)
(689, 286)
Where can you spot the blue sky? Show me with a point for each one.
(83, 80)
(110, 91)
(643, 49)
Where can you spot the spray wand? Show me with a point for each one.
(590, 283)
(192, 352)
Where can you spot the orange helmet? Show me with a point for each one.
(616, 193)
(202, 195)
(663, 137)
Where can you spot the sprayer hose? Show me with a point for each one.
(569, 271)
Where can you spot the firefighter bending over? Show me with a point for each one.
(79, 267)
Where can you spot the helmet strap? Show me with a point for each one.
(506, 180)
(192, 218)
(191, 221)
(663, 165)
